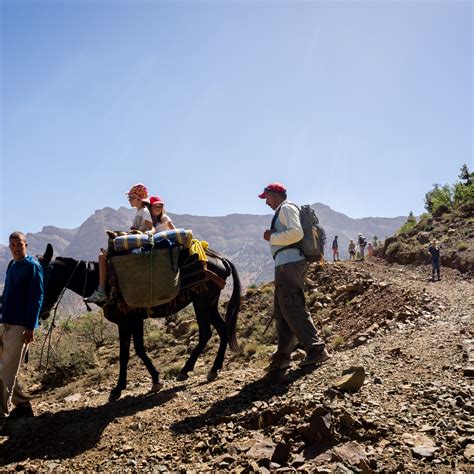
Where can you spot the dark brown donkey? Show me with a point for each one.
(82, 277)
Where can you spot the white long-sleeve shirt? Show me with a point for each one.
(288, 231)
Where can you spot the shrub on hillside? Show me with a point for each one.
(463, 193)
(64, 366)
(393, 248)
(462, 246)
(409, 225)
(439, 199)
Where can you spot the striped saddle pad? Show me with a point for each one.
(128, 242)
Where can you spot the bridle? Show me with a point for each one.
(54, 308)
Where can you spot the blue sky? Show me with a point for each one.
(359, 105)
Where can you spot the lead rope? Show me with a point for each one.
(152, 243)
(51, 327)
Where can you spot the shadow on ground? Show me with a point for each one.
(68, 433)
(274, 384)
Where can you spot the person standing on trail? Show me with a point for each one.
(335, 249)
(21, 303)
(352, 250)
(362, 243)
(434, 251)
(370, 250)
(293, 321)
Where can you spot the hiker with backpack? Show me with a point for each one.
(362, 242)
(287, 238)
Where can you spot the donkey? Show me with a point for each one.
(82, 278)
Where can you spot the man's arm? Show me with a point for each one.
(35, 299)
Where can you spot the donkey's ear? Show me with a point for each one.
(48, 254)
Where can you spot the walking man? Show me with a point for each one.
(335, 249)
(293, 322)
(21, 304)
(433, 249)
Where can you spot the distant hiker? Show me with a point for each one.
(370, 250)
(434, 249)
(352, 250)
(21, 303)
(362, 243)
(292, 319)
(335, 249)
(143, 222)
(161, 221)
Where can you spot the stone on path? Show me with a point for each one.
(351, 380)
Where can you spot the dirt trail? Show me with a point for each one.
(415, 395)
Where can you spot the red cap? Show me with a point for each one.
(274, 188)
(156, 200)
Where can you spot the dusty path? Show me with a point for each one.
(415, 395)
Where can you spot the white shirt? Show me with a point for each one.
(288, 231)
(142, 215)
(163, 225)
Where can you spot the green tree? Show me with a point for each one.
(464, 189)
(466, 176)
(409, 224)
(439, 199)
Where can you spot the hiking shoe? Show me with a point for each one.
(314, 358)
(98, 296)
(278, 364)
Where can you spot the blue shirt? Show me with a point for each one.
(23, 293)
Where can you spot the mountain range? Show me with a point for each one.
(237, 236)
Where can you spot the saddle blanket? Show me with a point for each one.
(127, 242)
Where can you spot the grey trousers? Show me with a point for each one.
(12, 353)
(293, 322)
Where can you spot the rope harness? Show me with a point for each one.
(49, 334)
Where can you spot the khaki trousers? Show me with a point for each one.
(12, 353)
(293, 322)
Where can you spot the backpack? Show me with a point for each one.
(314, 238)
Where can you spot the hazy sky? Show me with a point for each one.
(361, 105)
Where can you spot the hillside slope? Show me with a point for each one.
(454, 232)
(413, 412)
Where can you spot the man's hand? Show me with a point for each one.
(28, 336)
(267, 234)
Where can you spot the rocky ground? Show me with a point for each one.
(404, 404)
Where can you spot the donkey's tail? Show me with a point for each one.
(233, 307)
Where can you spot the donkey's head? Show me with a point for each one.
(56, 273)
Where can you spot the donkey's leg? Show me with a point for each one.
(221, 328)
(137, 333)
(204, 336)
(125, 334)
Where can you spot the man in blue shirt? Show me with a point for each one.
(293, 321)
(21, 303)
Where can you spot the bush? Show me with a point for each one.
(337, 342)
(439, 197)
(462, 246)
(393, 248)
(65, 366)
(463, 193)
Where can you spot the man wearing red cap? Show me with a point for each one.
(292, 319)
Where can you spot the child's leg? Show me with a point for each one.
(102, 272)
